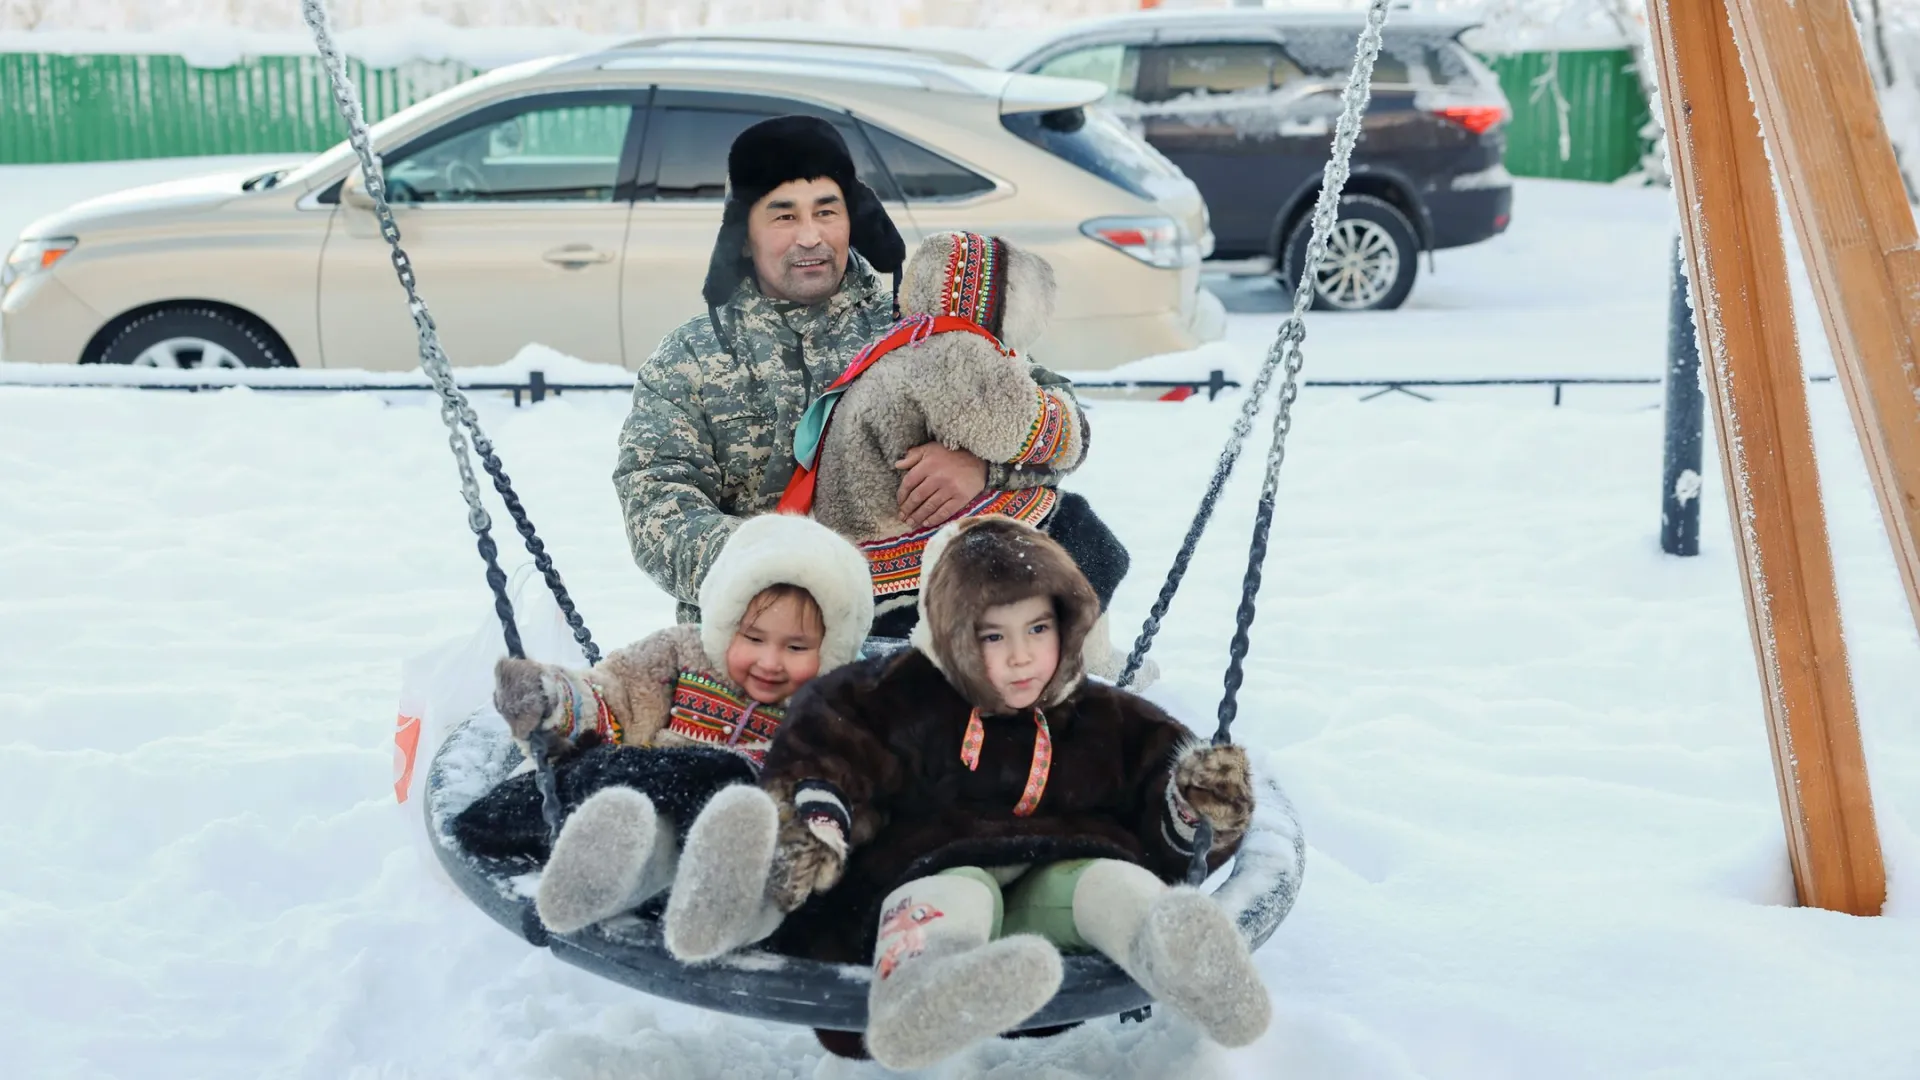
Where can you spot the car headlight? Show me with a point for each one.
(33, 256)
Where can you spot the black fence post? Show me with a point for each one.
(536, 386)
(1686, 420)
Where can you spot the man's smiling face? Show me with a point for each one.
(798, 235)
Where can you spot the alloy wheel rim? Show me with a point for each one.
(187, 352)
(1360, 266)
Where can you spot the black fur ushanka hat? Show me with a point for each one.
(780, 150)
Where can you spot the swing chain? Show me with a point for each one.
(455, 410)
(1286, 353)
(1285, 350)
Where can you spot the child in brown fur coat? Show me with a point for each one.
(656, 728)
(958, 813)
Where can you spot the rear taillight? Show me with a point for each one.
(1156, 241)
(1478, 119)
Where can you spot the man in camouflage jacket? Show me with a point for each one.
(793, 292)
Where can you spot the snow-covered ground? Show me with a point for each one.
(1527, 749)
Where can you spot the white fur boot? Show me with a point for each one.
(612, 854)
(1105, 660)
(1177, 944)
(719, 901)
(939, 984)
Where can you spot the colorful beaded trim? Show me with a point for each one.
(976, 282)
(706, 711)
(1048, 436)
(895, 561)
(603, 718)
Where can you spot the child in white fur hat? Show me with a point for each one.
(657, 728)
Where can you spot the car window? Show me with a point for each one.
(1406, 59)
(1116, 67)
(559, 154)
(920, 173)
(690, 141)
(1221, 68)
(1094, 140)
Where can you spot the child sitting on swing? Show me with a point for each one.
(959, 812)
(655, 729)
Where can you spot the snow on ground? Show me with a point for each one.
(1527, 749)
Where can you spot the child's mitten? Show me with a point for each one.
(811, 852)
(532, 696)
(1214, 782)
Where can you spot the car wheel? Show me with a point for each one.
(192, 337)
(1372, 257)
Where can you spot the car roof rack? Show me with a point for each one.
(893, 49)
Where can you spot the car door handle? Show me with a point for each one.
(575, 256)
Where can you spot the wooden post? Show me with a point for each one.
(1821, 116)
(1737, 260)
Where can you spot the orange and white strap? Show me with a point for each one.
(976, 737)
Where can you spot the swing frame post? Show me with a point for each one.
(1738, 272)
(1821, 115)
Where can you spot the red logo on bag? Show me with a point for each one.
(406, 744)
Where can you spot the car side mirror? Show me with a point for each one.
(354, 192)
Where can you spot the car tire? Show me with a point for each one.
(193, 337)
(1379, 249)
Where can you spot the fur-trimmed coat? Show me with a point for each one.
(957, 388)
(887, 732)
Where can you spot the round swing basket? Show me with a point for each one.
(1258, 892)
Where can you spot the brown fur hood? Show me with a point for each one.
(978, 563)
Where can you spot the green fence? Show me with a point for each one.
(59, 108)
(1598, 138)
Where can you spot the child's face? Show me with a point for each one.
(775, 650)
(1020, 645)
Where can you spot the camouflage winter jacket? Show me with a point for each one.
(710, 437)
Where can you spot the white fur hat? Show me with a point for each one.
(785, 549)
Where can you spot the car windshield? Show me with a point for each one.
(1092, 139)
(336, 155)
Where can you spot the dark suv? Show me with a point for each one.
(1244, 102)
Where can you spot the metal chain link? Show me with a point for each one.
(1284, 354)
(456, 412)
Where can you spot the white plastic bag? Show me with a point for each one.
(441, 688)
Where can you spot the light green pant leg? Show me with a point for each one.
(1042, 903)
(993, 886)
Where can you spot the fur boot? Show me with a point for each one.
(939, 985)
(719, 901)
(612, 854)
(1177, 944)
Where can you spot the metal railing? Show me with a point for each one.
(536, 387)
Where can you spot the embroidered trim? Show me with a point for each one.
(976, 285)
(1037, 771)
(1048, 437)
(895, 561)
(705, 710)
(603, 719)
